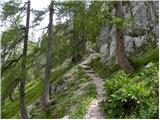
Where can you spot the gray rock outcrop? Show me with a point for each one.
(141, 30)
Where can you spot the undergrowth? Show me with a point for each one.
(73, 100)
(135, 95)
(132, 96)
(33, 92)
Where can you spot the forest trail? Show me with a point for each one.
(94, 111)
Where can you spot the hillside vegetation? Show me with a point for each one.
(79, 59)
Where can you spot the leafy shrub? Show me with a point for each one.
(152, 55)
(132, 96)
(101, 69)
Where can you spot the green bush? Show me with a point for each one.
(132, 96)
(151, 55)
(100, 68)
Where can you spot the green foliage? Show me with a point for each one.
(117, 20)
(9, 83)
(101, 69)
(65, 101)
(12, 109)
(151, 55)
(61, 46)
(81, 108)
(57, 75)
(132, 96)
(99, 14)
(121, 21)
(9, 9)
(39, 17)
(11, 38)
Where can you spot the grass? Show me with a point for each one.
(138, 61)
(103, 70)
(100, 68)
(11, 109)
(151, 55)
(33, 92)
(65, 101)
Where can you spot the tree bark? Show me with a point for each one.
(23, 67)
(46, 101)
(121, 54)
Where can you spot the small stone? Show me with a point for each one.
(149, 65)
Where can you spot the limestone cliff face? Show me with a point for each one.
(144, 28)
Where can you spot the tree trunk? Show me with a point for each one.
(46, 101)
(83, 40)
(76, 56)
(23, 67)
(121, 54)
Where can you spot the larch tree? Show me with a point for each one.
(46, 102)
(121, 54)
(78, 29)
(23, 66)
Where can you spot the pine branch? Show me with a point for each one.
(7, 65)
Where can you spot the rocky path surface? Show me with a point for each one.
(94, 111)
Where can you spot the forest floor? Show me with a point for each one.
(94, 111)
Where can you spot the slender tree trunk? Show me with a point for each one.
(76, 56)
(84, 30)
(46, 101)
(83, 42)
(121, 54)
(76, 48)
(23, 67)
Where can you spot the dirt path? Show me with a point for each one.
(94, 111)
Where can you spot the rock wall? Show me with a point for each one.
(143, 29)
